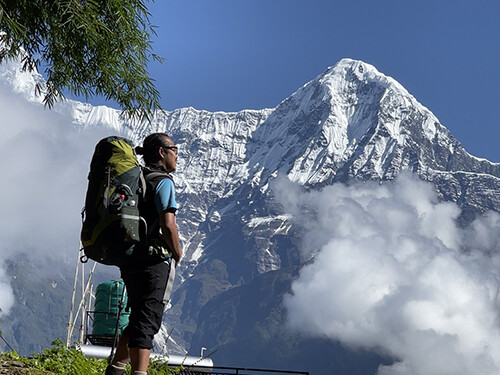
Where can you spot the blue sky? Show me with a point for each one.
(230, 55)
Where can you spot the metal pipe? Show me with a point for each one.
(103, 352)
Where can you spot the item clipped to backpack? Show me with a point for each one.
(112, 224)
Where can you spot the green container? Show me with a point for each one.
(106, 306)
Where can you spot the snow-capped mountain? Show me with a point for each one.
(350, 123)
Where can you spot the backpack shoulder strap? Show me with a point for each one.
(152, 175)
(150, 178)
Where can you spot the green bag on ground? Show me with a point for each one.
(106, 306)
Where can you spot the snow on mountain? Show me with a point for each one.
(350, 119)
(21, 82)
(351, 122)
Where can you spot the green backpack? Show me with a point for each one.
(112, 224)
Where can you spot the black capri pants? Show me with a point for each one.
(146, 290)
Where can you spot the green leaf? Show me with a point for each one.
(89, 47)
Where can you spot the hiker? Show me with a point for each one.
(147, 278)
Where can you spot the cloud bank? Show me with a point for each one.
(392, 272)
(44, 179)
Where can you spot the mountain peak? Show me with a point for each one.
(325, 123)
(349, 71)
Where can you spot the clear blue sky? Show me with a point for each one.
(230, 55)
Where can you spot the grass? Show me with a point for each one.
(63, 361)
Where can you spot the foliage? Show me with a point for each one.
(90, 47)
(63, 361)
(161, 368)
(60, 360)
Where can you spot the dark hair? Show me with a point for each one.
(150, 147)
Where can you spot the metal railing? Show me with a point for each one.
(103, 340)
(218, 370)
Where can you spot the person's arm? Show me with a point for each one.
(170, 234)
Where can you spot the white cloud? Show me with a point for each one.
(389, 273)
(6, 295)
(44, 179)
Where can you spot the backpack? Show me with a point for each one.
(112, 224)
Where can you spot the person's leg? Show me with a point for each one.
(121, 358)
(148, 286)
(122, 354)
(139, 359)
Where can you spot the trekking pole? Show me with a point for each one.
(115, 339)
(5, 341)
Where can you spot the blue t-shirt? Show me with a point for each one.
(165, 196)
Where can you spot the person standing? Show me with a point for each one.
(149, 278)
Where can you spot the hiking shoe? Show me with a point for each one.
(113, 370)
